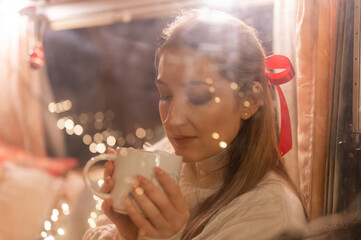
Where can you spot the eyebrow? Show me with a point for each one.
(159, 81)
(195, 83)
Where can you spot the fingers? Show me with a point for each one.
(107, 185)
(158, 197)
(108, 211)
(148, 205)
(108, 173)
(108, 169)
(111, 150)
(172, 190)
(138, 219)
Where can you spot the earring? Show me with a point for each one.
(245, 114)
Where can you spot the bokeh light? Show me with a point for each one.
(140, 133)
(215, 135)
(87, 139)
(223, 144)
(111, 141)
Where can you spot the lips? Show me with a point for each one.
(182, 140)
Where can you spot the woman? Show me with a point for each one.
(217, 111)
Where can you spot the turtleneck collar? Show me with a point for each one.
(206, 173)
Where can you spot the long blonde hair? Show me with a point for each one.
(234, 47)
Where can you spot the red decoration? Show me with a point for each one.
(281, 62)
(36, 57)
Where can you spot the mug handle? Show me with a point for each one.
(90, 163)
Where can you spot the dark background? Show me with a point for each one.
(112, 68)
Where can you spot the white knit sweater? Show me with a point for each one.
(266, 212)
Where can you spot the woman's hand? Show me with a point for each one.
(164, 212)
(123, 223)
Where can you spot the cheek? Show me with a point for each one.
(163, 111)
(222, 127)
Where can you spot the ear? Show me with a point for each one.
(251, 102)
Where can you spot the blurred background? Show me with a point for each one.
(77, 76)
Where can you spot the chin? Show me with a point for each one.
(187, 157)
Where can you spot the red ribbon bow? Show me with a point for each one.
(281, 62)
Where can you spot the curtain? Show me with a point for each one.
(315, 50)
(284, 43)
(24, 92)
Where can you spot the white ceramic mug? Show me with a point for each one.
(129, 163)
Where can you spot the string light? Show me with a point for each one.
(61, 231)
(47, 225)
(140, 133)
(87, 139)
(215, 135)
(111, 141)
(100, 182)
(60, 107)
(60, 123)
(93, 147)
(69, 124)
(78, 130)
(223, 144)
(101, 148)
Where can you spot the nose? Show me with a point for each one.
(176, 114)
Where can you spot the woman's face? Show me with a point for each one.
(197, 105)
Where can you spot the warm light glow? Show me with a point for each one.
(69, 131)
(216, 4)
(47, 225)
(105, 134)
(223, 144)
(61, 231)
(209, 80)
(93, 147)
(44, 234)
(69, 124)
(60, 123)
(149, 134)
(140, 133)
(212, 89)
(217, 99)
(98, 137)
(246, 103)
(52, 107)
(93, 215)
(96, 198)
(55, 212)
(50, 238)
(54, 218)
(111, 140)
(100, 182)
(65, 207)
(67, 105)
(215, 135)
(78, 130)
(99, 117)
(234, 86)
(121, 141)
(101, 148)
(87, 139)
(98, 206)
